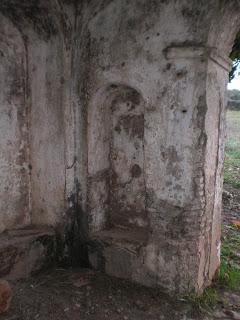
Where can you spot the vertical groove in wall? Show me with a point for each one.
(28, 124)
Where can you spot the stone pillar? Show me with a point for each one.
(216, 86)
(184, 187)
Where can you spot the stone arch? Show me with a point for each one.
(224, 27)
(116, 183)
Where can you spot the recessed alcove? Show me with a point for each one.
(116, 182)
(31, 147)
(14, 155)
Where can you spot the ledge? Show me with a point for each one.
(198, 52)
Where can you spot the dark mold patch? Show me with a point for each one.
(30, 12)
(76, 232)
(168, 66)
(190, 13)
(181, 73)
(133, 125)
(136, 171)
(200, 117)
(176, 228)
(118, 128)
(123, 94)
(122, 216)
(96, 255)
(49, 243)
(8, 256)
(113, 86)
(170, 154)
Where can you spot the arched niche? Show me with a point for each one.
(14, 177)
(116, 183)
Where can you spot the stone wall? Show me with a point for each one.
(14, 155)
(125, 113)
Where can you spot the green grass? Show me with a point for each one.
(232, 150)
(232, 170)
(229, 274)
(228, 277)
(201, 303)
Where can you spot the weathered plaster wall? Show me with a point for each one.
(134, 55)
(104, 169)
(127, 185)
(116, 183)
(49, 63)
(47, 132)
(214, 157)
(36, 64)
(14, 152)
(163, 50)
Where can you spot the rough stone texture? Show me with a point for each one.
(125, 105)
(158, 49)
(26, 251)
(14, 186)
(46, 132)
(115, 153)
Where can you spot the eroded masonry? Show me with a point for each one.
(112, 136)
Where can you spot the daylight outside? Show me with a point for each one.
(230, 268)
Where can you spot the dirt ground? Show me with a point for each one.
(81, 294)
(84, 294)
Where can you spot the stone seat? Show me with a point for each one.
(116, 250)
(127, 237)
(26, 251)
